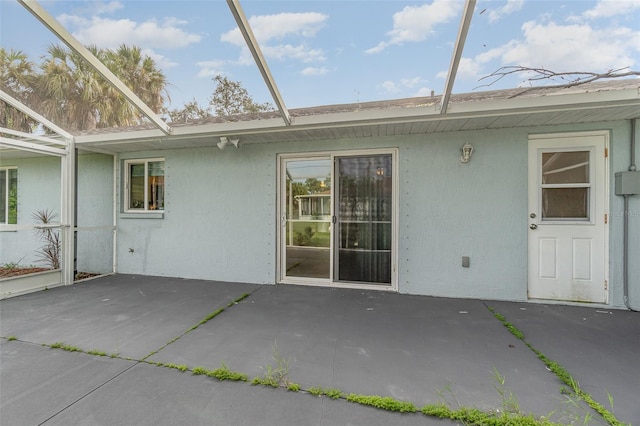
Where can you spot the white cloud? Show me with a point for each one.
(389, 87)
(111, 33)
(161, 61)
(560, 48)
(271, 30)
(210, 68)
(401, 86)
(510, 7)
(423, 91)
(315, 71)
(417, 23)
(609, 8)
(572, 47)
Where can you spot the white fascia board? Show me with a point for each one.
(32, 147)
(33, 137)
(547, 103)
(56, 28)
(31, 113)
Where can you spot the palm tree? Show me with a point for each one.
(16, 79)
(74, 96)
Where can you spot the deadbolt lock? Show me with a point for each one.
(532, 215)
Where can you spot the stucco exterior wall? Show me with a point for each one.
(39, 189)
(220, 215)
(220, 219)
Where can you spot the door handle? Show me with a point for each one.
(533, 226)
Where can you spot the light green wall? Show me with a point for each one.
(39, 189)
(220, 217)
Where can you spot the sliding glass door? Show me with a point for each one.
(337, 219)
(307, 219)
(364, 219)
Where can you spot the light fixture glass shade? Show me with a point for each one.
(466, 150)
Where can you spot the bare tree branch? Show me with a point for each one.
(569, 78)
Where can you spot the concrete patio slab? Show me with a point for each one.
(408, 347)
(37, 382)
(599, 347)
(148, 395)
(420, 349)
(124, 314)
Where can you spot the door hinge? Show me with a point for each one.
(606, 285)
(606, 153)
(606, 218)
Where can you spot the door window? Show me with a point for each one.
(565, 185)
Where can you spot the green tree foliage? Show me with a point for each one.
(76, 97)
(190, 112)
(231, 98)
(16, 78)
(69, 92)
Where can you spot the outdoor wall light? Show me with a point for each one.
(466, 150)
(224, 141)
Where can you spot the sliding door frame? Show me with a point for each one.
(281, 196)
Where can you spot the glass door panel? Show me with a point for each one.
(565, 185)
(364, 219)
(307, 233)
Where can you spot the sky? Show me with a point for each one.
(324, 52)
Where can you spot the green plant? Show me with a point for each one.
(275, 376)
(50, 251)
(385, 403)
(65, 347)
(199, 370)
(563, 375)
(293, 387)
(509, 402)
(97, 352)
(224, 373)
(332, 393)
(11, 338)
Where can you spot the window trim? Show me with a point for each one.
(5, 220)
(127, 179)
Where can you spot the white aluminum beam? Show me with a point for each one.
(32, 147)
(67, 213)
(467, 14)
(64, 35)
(32, 137)
(31, 113)
(252, 44)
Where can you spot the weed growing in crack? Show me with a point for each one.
(574, 389)
(224, 373)
(275, 376)
(332, 393)
(383, 402)
(12, 338)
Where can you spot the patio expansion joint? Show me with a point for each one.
(559, 371)
(202, 322)
(88, 393)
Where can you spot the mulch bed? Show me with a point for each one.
(16, 272)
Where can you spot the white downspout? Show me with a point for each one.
(625, 226)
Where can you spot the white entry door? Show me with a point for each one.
(568, 217)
